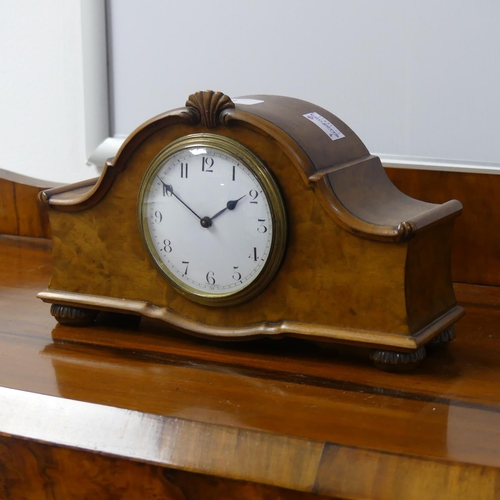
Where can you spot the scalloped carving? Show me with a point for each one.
(209, 105)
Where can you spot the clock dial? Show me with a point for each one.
(212, 219)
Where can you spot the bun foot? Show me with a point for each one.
(73, 316)
(444, 337)
(393, 361)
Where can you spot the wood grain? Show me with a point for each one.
(476, 242)
(351, 270)
(282, 460)
(475, 245)
(317, 253)
(217, 412)
(33, 471)
(20, 213)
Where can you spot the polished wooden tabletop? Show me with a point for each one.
(292, 414)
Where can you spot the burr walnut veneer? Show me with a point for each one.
(364, 263)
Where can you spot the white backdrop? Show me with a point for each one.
(53, 89)
(418, 80)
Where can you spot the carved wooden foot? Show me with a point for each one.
(392, 361)
(73, 316)
(445, 336)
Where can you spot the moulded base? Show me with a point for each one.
(365, 338)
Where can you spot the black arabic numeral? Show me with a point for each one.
(253, 194)
(262, 229)
(167, 190)
(254, 255)
(234, 173)
(206, 164)
(167, 246)
(187, 265)
(158, 216)
(236, 275)
(210, 278)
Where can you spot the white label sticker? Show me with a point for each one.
(327, 127)
(247, 102)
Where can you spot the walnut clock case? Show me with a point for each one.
(257, 216)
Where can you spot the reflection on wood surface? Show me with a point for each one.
(85, 410)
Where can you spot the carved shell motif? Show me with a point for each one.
(209, 105)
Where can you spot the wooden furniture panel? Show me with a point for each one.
(476, 241)
(122, 407)
(20, 213)
(70, 474)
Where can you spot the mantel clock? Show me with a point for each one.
(257, 216)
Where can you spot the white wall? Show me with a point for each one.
(43, 118)
(416, 79)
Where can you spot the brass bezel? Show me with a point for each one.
(278, 214)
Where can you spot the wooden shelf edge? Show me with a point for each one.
(169, 442)
(222, 451)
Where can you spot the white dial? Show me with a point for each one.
(208, 218)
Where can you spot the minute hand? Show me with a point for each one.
(167, 188)
(230, 205)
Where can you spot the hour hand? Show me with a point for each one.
(230, 205)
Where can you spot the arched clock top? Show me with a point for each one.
(86, 194)
(330, 158)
